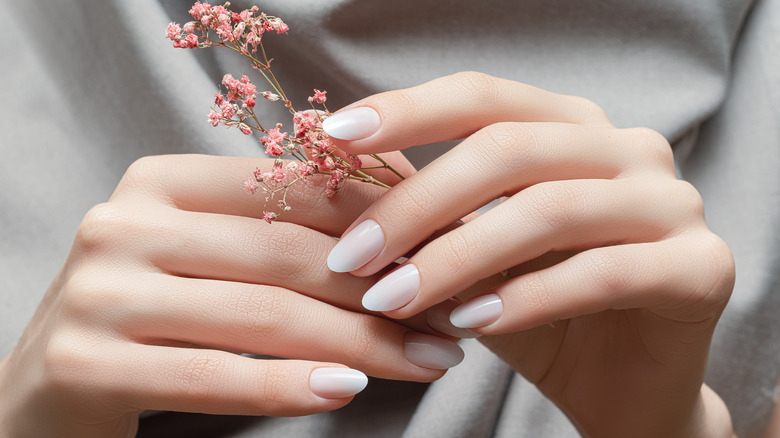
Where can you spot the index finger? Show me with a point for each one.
(450, 108)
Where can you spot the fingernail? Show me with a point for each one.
(479, 312)
(394, 291)
(438, 318)
(432, 352)
(355, 249)
(352, 124)
(337, 382)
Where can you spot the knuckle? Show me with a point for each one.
(408, 101)
(286, 251)
(102, 226)
(536, 294)
(416, 201)
(69, 362)
(689, 197)
(609, 273)
(720, 267)
(556, 205)
(85, 295)
(273, 387)
(654, 144)
(142, 171)
(364, 345)
(261, 312)
(458, 251)
(592, 111)
(514, 142)
(199, 377)
(707, 296)
(480, 87)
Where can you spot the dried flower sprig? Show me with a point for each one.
(242, 32)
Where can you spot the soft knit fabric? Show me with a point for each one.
(89, 86)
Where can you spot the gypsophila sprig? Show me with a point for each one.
(309, 146)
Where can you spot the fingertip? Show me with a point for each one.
(357, 247)
(478, 312)
(352, 124)
(337, 382)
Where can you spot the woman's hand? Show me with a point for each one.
(171, 278)
(615, 282)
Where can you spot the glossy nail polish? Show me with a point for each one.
(478, 312)
(357, 248)
(337, 382)
(438, 318)
(352, 124)
(432, 352)
(394, 291)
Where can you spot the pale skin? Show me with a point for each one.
(167, 279)
(616, 282)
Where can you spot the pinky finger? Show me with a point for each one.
(685, 279)
(217, 382)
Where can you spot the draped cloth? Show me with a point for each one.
(90, 86)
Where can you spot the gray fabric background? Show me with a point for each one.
(89, 86)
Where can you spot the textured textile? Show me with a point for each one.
(89, 86)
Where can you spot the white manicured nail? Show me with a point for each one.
(394, 291)
(479, 312)
(352, 124)
(337, 382)
(438, 318)
(432, 352)
(359, 246)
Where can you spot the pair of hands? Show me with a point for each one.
(614, 290)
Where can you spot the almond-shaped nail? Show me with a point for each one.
(438, 318)
(394, 291)
(478, 312)
(352, 124)
(337, 382)
(357, 248)
(432, 352)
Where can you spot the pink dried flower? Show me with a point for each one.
(227, 110)
(173, 32)
(214, 117)
(278, 172)
(273, 141)
(270, 96)
(230, 82)
(191, 41)
(319, 96)
(276, 24)
(305, 169)
(333, 184)
(225, 31)
(243, 32)
(189, 27)
(246, 87)
(199, 9)
(244, 128)
(354, 162)
(269, 216)
(253, 38)
(250, 185)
